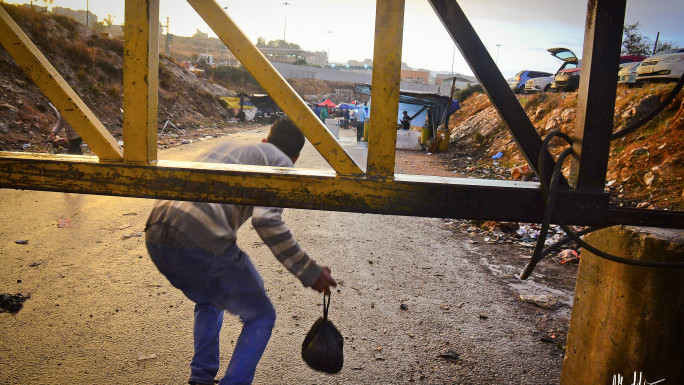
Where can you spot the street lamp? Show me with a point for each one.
(329, 34)
(453, 58)
(285, 26)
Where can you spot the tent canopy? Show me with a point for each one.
(326, 103)
(345, 106)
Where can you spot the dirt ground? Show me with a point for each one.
(99, 312)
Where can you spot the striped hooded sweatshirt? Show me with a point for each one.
(213, 226)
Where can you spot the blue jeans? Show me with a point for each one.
(217, 283)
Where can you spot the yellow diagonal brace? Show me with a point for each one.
(276, 86)
(382, 138)
(55, 88)
(141, 67)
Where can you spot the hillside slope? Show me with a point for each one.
(645, 167)
(93, 66)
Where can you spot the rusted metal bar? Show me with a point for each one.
(55, 88)
(415, 195)
(596, 95)
(382, 137)
(140, 83)
(494, 84)
(645, 217)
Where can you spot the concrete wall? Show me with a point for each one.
(628, 321)
(291, 71)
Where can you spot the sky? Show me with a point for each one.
(515, 32)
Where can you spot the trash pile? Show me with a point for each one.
(518, 234)
(463, 163)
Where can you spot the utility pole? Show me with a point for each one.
(167, 45)
(285, 26)
(655, 46)
(87, 13)
(497, 53)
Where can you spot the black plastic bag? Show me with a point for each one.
(322, 346)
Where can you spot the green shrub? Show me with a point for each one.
(467, 92)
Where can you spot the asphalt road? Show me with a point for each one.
(99, 312)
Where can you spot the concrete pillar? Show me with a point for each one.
(627, 322)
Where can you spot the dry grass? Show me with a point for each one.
(654, 152)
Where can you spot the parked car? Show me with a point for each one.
(568, 76)
(568, 73)
(539, 84)
(668, 64)
(517, 82)
(628, 73)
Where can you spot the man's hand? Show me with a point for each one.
(324, 281)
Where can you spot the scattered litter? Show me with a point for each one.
(444, 307)
(521, 172)
(64, 222)
(36, 263)
(12, 303)
(547, 339)
(132, 235)
(568, 256)
(482, 316)
(21, 241)
(145, 357)
(123, 227)
(26, 146)
(498, 155)
(546, 301)
(403, 306)
(450, 355)
(357, 368)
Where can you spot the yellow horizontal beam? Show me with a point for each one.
(276, 86)
(415, 195)
(382, 137)
(55, 88)
(140, 80)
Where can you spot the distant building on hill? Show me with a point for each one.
(201, 35)
(286, 55)
(319, 58)
(415, 76)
